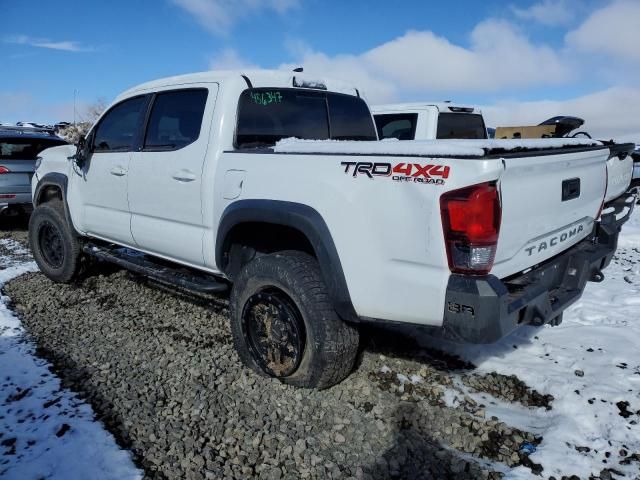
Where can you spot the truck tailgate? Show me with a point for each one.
(549, 203)
(619, 173)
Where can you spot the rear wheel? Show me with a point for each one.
(55, 248)
(284, 325)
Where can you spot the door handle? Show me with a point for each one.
(184, 176)
(118, 171)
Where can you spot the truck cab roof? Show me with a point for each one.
(248, 78)
(417, 106)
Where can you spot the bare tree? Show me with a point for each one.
(88, 117)
(93, 111)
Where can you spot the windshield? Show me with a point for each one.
(267, 115)
(461, 125)
(26, 148)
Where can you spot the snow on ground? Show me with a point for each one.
(45, 430)
(591, 366)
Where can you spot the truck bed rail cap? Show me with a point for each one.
(436, 148)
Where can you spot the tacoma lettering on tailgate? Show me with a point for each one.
(554, 240)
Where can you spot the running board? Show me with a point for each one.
(156, 269)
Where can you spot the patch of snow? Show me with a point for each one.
(623, 213)
(447, 148)
(384, 369)
(529, 419)
(589, 363)
(13, 246)
(630, 237)
(45, 430)
(451, 398)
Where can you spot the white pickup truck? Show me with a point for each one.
(446, 120)
(429, 121)
(197, 181)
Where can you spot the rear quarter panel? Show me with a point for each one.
(388, 233)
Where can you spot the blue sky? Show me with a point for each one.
(500, 54)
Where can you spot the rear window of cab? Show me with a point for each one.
(267, 115)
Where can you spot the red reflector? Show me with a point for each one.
(471, 223)
(4, 170)
(7, 196)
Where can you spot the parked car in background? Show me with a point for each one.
(19, 149)
(428, 121)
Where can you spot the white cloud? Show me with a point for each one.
(612, 30)
(218, 16)
(66, 45)
(350, 68)
(547, 12)
(610, 113)
(499, 57)
(228, 59)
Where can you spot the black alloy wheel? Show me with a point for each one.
(274, 331)
(51, 244)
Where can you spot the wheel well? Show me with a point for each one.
(247, 240)
(48, 193)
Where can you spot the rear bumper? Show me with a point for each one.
(485, 309)
(14, 195)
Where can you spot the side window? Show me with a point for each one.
(461, 125)
(176, 118)
(117, 129)
(400, 126)
(349, 118)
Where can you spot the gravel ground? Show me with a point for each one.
(160, 371)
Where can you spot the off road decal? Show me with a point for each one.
(400, 172)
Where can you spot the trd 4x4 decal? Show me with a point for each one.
(400, 172)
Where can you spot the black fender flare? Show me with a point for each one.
(310, 223)
(59, 180)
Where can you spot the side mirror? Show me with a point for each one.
(81, 154)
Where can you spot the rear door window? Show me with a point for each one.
(397, 125)
(176, 119)
(268, 115)
(118, 127)
(461, 125)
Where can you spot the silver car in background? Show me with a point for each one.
(19, 149)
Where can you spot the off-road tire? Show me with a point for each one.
(51, 216)
(330, 345)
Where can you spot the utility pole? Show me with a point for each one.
(75, 92)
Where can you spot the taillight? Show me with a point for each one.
(4, 170)
(471, 222)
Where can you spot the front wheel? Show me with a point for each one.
(284, 325)
(55, 248)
